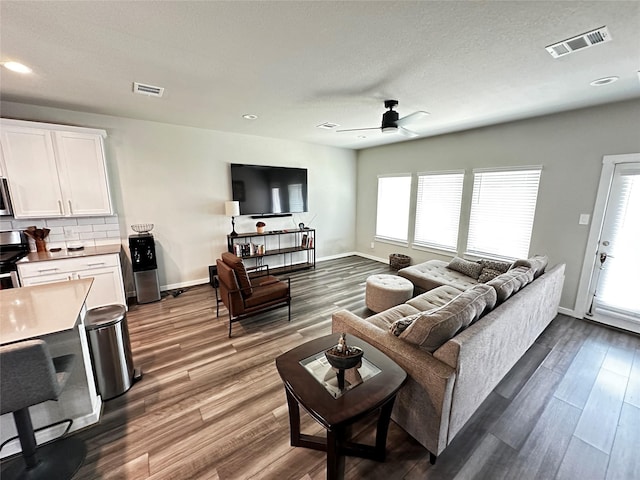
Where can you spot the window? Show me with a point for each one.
(502, 210)
(392, 220)
(438, 209)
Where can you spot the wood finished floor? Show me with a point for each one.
(210, 407)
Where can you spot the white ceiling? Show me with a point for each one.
(298, 64)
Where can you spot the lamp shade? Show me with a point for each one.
(232, 209)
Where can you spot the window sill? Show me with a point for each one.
(391, 241)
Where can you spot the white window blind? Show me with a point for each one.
(392, 218)
(438, 209)
(502, 210)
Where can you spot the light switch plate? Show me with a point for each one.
(584, 219)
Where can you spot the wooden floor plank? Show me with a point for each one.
(576, 385)
(582, 461)
(625, 457)
(599, 419)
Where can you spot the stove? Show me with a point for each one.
(13, 246)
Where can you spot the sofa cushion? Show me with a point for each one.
(508, 283)
(429, 330)
(467, 267)
(538, 263)
(386, 318)
(434, 273)
(435, 298)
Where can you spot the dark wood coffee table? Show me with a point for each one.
(382, 380)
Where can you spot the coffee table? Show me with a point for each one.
(311, 385)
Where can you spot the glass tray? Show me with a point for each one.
(320, 369)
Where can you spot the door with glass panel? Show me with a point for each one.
(615, 287)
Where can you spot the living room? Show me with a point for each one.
(176, 176)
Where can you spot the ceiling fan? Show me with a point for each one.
(391, 123)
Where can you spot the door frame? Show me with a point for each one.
(583, 299)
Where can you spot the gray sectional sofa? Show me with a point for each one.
(456, 344)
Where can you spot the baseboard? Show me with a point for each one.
(371, 257)
(569, 312)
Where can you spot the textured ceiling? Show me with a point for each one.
(299, 64)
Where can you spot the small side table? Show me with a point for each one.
(311, 385)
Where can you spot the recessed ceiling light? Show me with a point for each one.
(249, 116)
(17, 67)
(603, 81)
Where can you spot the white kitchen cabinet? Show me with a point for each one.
(107, 287)
(55, 171)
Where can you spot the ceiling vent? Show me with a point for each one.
(586, 40)
(328, 125)
(148, 90)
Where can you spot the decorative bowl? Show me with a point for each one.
(343, 361)
(142, 227)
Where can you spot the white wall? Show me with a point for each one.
(178, 179)
(569, 146)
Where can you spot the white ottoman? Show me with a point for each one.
(386, 291)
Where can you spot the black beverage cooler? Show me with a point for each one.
(145, 267)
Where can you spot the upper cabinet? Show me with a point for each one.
(54, 170)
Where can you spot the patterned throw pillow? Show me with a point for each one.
(468, 268)
(488, 274)
(402, 324)
(491, 269)
(495, 265)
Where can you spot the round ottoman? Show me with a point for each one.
(386, 291)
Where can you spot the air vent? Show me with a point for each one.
(148, 90)
(586, 40)
(328, 125)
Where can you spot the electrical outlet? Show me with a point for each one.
(584, 219)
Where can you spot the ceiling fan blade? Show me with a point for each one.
(358, 129)
(412, 118)
(406, 132)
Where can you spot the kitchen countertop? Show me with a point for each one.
(85, 252)
(31, 312)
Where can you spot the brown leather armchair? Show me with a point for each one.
(247, 295)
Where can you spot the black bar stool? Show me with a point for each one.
(30, 376)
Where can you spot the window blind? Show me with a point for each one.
(392, 216)
(438, 209)
(502, 211)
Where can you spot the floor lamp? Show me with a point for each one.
(232, 209)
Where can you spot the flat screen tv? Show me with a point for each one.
(269, 191)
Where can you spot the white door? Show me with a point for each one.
(615, 292)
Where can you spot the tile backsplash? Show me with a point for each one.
(88, 231)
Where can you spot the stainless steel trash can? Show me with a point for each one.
(110, 349)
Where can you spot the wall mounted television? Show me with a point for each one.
(264, 190)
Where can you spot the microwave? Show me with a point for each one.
(5, 201)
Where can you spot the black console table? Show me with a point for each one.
(297, 248)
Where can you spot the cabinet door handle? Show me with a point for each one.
(96, 264)
(53, 269)
(70, 207)
(60, 207)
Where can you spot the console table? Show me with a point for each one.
(297, 248)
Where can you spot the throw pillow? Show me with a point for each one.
(495, 265)
(468, 268)
(402, 324)
(488, 274)
(429, 330)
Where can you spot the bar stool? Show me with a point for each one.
(30, 376)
